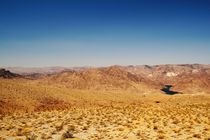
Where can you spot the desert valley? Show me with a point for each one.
(104, 70)
(117, 102)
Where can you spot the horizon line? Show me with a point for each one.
(92, 66)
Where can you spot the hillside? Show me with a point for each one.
(62, 90)
(187, 78)
(21, 95)
(108, 78)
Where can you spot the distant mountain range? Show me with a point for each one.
(59, 88)
(40, 70)
(185, 78)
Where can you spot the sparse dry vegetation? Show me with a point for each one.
(121, 121)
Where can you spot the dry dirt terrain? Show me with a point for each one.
(151, 117)
(106, 103)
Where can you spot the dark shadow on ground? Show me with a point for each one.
(167, 90)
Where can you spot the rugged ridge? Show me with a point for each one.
(105, 78)
(7, 74)
(187, 78)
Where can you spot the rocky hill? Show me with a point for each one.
(190, 78)
(7, 74)
(101, 79)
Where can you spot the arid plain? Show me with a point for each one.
(114, 102)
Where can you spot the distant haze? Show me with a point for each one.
(72, 33)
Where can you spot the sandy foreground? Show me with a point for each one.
(154, 117)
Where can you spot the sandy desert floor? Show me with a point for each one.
(175, 117)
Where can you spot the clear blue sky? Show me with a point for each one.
(104, 32)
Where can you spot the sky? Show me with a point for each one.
(38, 33)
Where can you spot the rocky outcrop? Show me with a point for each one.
(7, 74)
